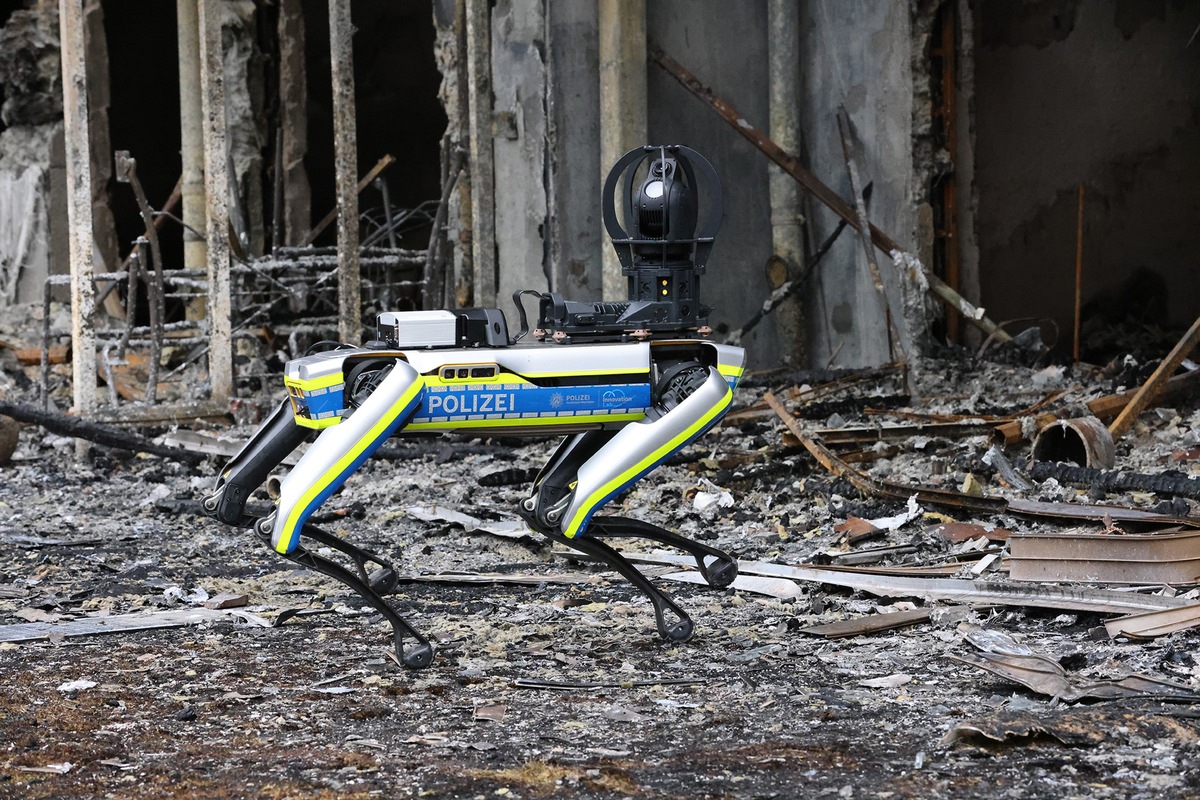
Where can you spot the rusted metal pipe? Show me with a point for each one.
(822, 192)
(1078, 273)
(1083, 441)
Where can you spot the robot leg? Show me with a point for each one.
(247, 470)
(337, 452)
(590, 469)
(340, 450)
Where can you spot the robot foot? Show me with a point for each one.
(678, 630)
(369, 587)
(718, 573)
(383, 580)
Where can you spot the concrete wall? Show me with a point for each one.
(1105, 93)
(724, 45)
(548, 226)
(546, 134)
(547, 191)
(573, 108)
(32, 83)
(519, 140)
(857, 53)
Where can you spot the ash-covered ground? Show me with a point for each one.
(559, 685)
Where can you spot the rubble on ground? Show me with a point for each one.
(150, 659)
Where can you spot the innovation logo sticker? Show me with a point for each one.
(616, 397)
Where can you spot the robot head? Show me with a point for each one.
(672, 206)
(663, 212)
(662, 228)
(668, 233)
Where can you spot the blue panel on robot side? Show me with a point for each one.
(323, 403)
(523, 401)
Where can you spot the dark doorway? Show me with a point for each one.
(1103, 94)
(396, 91)
(143, 113)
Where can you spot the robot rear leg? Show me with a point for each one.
(591, 468)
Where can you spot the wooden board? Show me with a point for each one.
(118, 623)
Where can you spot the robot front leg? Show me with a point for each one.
(338, 451)
(263, 452)
(591, 468)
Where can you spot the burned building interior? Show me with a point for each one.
(955, 241)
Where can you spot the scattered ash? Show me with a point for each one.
(560, 684)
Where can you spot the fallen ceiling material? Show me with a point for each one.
(875, 623)
(117, 623)
(1159, 558)
(960, 500)
(949, 589)
(1152, 624)
(1046, 676)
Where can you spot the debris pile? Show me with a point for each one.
(923, 608)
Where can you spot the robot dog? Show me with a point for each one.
(629, 384)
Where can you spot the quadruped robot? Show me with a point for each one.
(628, 383)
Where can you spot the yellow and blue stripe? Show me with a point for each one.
(578, 524)
(336, 475)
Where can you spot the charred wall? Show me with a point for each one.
(858, 55)
(725, 45)
(1100, 93)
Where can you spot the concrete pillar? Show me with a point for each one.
(787, 235)
(622, 25)
(216, 189)
(293, 114)
(520, 145)
(573, 126)
(345, 159)
(79, 206)
(191, 128)
(450, 54)
(483, 186)
(104, 226)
